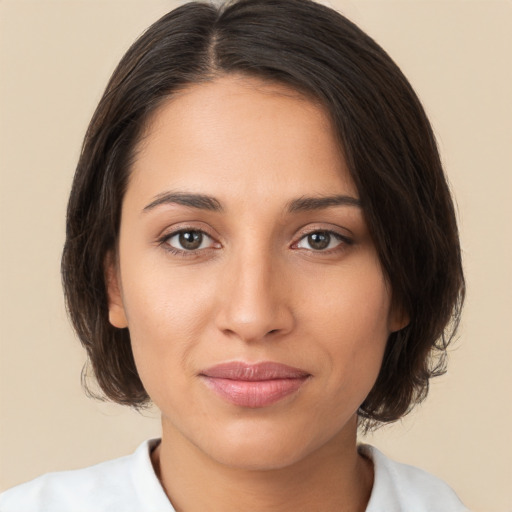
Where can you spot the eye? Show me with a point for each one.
(189, 240)
(320, 241)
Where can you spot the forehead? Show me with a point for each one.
(240, 134)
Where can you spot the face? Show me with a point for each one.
(257, 307)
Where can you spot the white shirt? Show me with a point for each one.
(129, 484)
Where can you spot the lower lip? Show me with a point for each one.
(254, 394)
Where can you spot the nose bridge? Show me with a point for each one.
(256, 302)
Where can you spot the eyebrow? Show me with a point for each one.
(306, 203)
(199, 201)
(205, 202)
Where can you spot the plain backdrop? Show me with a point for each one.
(55, 59)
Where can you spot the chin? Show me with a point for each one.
(253, 456)
(261, 447)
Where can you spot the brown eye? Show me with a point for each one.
(320, 241)
(189, 240)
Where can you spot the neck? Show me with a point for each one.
(333, 477)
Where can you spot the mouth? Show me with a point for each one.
(254, 385)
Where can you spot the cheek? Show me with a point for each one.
(352, 301)
(350, 321)
(167, 312)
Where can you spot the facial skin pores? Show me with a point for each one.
(256, 304)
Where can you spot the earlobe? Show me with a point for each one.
(116, 312)
(398, 319)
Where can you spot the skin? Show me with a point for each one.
(255, 290)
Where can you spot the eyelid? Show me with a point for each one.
(333, 231)
(181, 231)
(343, 233)
(170, 232)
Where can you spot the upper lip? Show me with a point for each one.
(267, 370)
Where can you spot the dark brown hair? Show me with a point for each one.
(386, 138)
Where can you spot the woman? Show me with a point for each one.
(260, 241)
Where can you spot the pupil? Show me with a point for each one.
(319, 240)
(191, 240)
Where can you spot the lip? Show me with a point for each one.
(254, 385)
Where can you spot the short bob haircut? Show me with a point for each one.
(382, 130)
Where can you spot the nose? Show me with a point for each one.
(256, 304)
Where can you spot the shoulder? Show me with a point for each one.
(125, 484)
(402, 488)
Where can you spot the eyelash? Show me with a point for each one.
(344, 241)
(164, 242)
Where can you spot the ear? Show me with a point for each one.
(398, 318)
(116, 311)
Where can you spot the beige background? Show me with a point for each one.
(55, 59)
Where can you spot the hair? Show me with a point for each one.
(382, 129)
